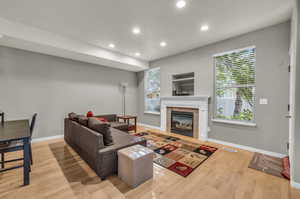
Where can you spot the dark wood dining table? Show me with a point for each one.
(18, 130)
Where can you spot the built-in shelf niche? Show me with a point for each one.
(183, 84)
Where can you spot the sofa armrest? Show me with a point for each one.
(67, 130)
(87, 143)
(90, 141)
(109, 117)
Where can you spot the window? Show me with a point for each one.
(152, 90)
(235, 85)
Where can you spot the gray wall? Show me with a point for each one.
(272, 82)
(53, 87)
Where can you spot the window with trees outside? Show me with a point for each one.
(235, 85)
(152, 90)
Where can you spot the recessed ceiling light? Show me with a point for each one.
(180, 4)
(137, 54)
(111, 45)
(136, 31)
(204, 28)
(163, 44)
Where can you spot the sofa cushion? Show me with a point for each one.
(119, 125)
(122, 140)
(110, 118)
(102, 119)
(103, 128)
(83, 120)
(73, 116)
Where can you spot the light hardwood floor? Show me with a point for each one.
(58, 172)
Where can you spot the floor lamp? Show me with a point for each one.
(124, 86)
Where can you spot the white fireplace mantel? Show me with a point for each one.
(196, 102)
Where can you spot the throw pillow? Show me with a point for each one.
(103, 128)
(83, 120)
(90, 114)
(102, 119)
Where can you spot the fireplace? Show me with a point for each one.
(196, 105)
(182, 123)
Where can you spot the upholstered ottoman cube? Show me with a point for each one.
(135, 165)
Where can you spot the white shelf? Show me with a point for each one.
(183, 79)
(183, 84)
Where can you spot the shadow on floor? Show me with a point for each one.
(119, 184)
(70, 166)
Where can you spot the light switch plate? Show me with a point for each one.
(263, 101)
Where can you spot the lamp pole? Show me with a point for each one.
(124, 100)
(124, 85)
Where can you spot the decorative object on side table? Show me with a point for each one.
(126, 119)
(135, 165)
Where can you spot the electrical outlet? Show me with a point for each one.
(263, 101)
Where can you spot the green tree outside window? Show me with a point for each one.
(235, 85)
(152, 90)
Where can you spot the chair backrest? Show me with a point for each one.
(32, 124)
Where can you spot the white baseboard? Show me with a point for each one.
(46, 138)
(248, 148)
(295, 185)
(149, 126)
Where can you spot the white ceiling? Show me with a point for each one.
(97, 23)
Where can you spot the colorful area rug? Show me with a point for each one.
(267, 164)
(177, 155)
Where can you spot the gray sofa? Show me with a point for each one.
(90, 146)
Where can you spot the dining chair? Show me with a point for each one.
(32, 125)
(16, 146)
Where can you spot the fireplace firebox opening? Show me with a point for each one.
(182, 123)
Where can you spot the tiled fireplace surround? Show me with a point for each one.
(195, 113)
(198, 105)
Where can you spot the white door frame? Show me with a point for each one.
(293, 53)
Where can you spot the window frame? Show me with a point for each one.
(146, 91)
(231, 121)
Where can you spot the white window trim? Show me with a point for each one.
(234, 122)
(152, 112)
(145, 93)
(253, 124)
(233, 51)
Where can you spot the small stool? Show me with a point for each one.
(135, 165)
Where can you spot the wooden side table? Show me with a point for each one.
(126, 119)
